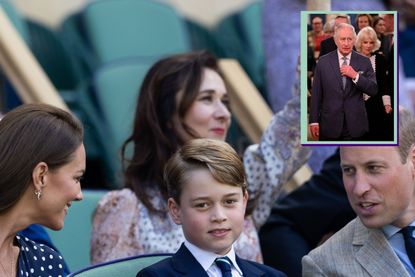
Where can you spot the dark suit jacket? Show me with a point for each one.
(326, 46)
(300, 219)
(331, 106)
(380, 123)
(184, 264)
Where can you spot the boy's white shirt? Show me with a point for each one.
(207, 260)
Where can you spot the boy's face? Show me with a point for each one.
(211, 213)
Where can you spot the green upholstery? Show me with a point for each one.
(239, 37)
(16, 19)
(73, 241)
(250, 21)
(52, 56)
(117, 87)
(128, 267)
(119, 29)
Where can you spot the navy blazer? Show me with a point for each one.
(332, 106)
(184, 264)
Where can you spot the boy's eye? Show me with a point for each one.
(230, 201)
(201, 205)
(79, 179)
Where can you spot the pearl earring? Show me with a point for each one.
(38, 194)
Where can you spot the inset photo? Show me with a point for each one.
(349, 90)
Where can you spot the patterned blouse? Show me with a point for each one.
(122, 225)
(38, 259)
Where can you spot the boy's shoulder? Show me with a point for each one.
(250, 268)
(183, 263)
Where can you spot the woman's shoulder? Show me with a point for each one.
(38, 259)
(118, 198)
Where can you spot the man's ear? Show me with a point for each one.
(174, 210)
(38, 175)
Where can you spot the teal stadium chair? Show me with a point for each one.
(117, 87)
(118, 29)
(239, 37)
(73, 241)
(127, 267)
(16, 19)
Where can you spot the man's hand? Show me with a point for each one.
(388, 109)
(315, 131)
(348, 71)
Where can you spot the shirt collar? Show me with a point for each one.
(206, 258)
(390, 230)
(339, 55)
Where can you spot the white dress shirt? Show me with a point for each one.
(207, 260)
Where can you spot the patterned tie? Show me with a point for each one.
(225, 266)
(409, 242)
(344, 58)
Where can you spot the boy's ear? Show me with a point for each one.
(245, 198)
(38, 175)
(174, 210)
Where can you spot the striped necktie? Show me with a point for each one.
(225, 265)
(344, 58)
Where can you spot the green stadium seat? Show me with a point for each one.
(118, 29)
(73, 241)
(127, 267)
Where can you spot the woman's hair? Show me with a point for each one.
(217, 156)
(367, 33)
(154, 136)
(376, 20)
(30, 134)
(328, 27)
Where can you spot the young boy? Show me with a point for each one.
(207, 196)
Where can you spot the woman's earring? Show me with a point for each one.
(38, 194)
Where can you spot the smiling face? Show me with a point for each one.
(367, 46)
(211, 213)
(209, 115)
(60, 188)
(381, 190)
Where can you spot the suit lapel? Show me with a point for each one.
(334, 63)
(375, 254)
(248, 269)
(185, 264)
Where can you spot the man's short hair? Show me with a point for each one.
(406, 133)
(342, 26)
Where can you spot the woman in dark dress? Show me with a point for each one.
(42, 161)
(378, 107)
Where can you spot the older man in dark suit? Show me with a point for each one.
(340, 79)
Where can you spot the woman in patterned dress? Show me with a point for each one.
(42, 161)
(184, 97)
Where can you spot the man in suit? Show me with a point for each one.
(380, 186)
(304, 217)
(337, 110)
(208, 196)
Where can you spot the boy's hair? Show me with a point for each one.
(217, 156)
